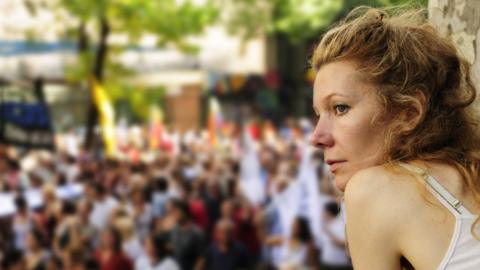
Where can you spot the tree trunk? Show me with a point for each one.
(98, 74)
(292, 63)
(82, 39)
(460, 20)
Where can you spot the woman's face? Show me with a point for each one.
(107, 239)
(345, 107)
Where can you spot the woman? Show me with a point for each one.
(132, 245)
(298, 249)
(110, 256)
(141, 212)
(396, 123)
(48, 216)
(333, 255)
(157, 255)
(36, 254)
(22, 223)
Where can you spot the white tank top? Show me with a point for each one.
(464, 250)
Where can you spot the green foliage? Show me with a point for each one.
(247, 18)
(170, 21)
(139, 98)
(177, 21)
(303, 19)
(386, 3)
(81, 70)
(299, 20)
(85, 10)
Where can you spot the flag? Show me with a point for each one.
(155, 135)
(106, 116)
(215, 120)
(250, 171)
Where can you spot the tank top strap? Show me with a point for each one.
(443, 195)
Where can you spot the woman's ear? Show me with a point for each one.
(416, 112)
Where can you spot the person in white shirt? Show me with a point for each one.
(297, 249)
(131, 243)
(333, 252)
(103, 205)
(157, 255)
(141, 211)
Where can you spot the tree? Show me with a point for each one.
(299, 20)
(460, 20)
(292, 27)
(170, 21)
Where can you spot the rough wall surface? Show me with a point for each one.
(460, 20)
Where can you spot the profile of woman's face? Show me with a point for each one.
(345, 130)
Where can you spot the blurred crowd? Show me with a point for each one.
(183, 203)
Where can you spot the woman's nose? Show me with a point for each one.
(321, 136)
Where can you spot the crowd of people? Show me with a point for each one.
(182, 204)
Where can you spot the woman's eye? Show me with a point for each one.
(341, 109)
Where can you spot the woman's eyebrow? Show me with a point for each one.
(326, 100)
(330, 96)
(335, 94)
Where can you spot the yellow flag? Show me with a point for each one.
(156, 127)
(106, 116)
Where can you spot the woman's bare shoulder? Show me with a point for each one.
(390, 213)
(387, 194)
(385, 178)
(378, 203)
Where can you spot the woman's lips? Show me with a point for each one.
(334, 165)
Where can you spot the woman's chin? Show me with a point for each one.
(341, 182)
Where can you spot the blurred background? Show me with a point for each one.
(175, 128)
(250, 54)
